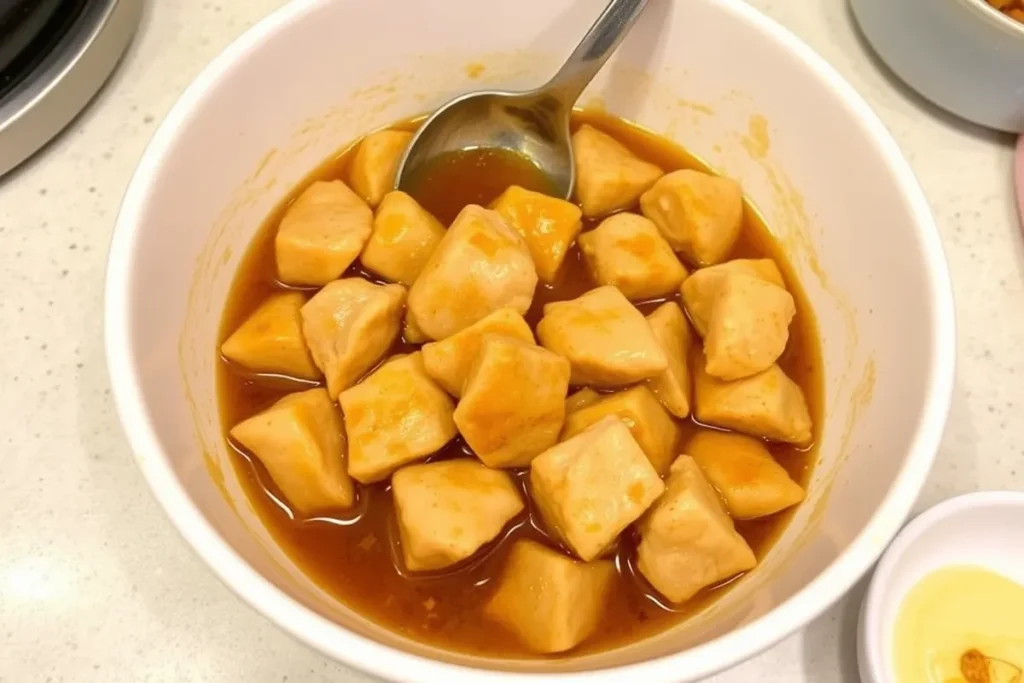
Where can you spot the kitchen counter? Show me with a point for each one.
(95, 585)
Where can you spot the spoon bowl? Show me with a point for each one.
(533, 125)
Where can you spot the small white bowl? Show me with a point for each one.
(980, 529)
(963, 55)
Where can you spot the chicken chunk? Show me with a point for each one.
(300, 441)
(403, 238)
(482, 264)
(592, 486)
(748, 328)
(651, 426)
(550, 602)
(411, 332)
(699, 214)
(270, 340)
(744, 473)
(581, 399)
(349, 326)
(395, 416)
(687, 541)
(606, 339)
(608, 176)
(769, 404)
(321, 234)
(447, 510)
(627, 252)
(372, 173)
(701, 287)
(548, 224)
(672, 385)
(448, 362)
(513, 402)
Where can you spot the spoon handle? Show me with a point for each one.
(594, 50)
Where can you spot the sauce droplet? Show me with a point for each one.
(977, 668)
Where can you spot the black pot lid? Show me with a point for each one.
(22, 22)
(54, 56)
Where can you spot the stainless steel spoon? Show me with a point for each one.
(535, 123)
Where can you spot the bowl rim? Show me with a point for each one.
(872, 653)
(995, 18)
(1018, 178)
(366, 654)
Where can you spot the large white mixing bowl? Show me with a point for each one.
(729, 84)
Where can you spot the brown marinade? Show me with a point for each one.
(353, 556)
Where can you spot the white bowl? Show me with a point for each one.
(734, 87)
(981, 529)
(963, 55)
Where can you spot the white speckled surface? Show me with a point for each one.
(94, 583)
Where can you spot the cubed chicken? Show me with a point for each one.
(548, 224)
(270, 340)
(395, 416)
(769, 404)
(300, 441)
(581, 399)
(549, 601)
(592, 486)
(482, 264)
(672, 385)
(606, 339)
(701, 287)
(349, 326)
(651, 426)
(687, 541)
(748, 328)
(447, 510)
(744, 473)
(321, 234)
(627, 252)
(372, 173)
(513, 401)
(448, 362)
(699, 214)
(609, 177)
(411, 332)
(403, 238)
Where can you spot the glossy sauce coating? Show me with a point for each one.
(354, 557)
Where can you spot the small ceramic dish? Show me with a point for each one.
(963, 55)
(978, 529)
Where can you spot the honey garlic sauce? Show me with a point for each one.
(354, 555)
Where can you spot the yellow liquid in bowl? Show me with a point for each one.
(961, 625)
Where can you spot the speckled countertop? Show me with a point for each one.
(95, 585)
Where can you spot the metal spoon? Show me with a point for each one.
(535, 123)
